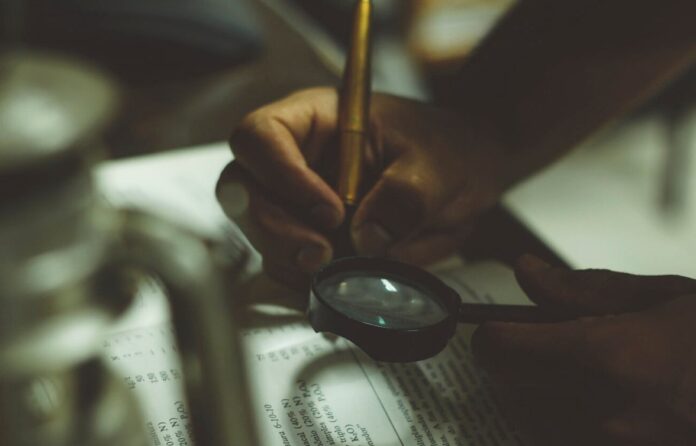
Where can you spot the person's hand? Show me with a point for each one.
(625, 375)
(430, 172)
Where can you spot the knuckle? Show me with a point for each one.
(310, 92)
(250, 131)
(248, 124)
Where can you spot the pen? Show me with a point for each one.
(353, 122)
(354, 107)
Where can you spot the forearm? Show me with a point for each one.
(555, 71)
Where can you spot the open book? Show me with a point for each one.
(307, 389)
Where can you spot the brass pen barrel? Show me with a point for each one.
(354, 105)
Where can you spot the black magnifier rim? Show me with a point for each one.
(383, 343)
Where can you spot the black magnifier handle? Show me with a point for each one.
(480, 313)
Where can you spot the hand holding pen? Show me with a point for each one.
(427, 173)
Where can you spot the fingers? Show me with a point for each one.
(281, 237)
(531, 354)
(276, 144)
(289, 204)
(283, 144)
(608, 363)
(646, 353)
(596, 292)
(399, 204)
(288, 277)
(574, 353)
(291, 248)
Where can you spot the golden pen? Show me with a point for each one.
(354, 105)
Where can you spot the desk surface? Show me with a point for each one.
(599, 206)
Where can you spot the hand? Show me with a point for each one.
(430, 172)
(625, 376)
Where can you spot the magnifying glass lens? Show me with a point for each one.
(382, 300)
(399, 312)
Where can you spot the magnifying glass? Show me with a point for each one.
(397, 312)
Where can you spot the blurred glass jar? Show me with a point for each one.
(66, 274)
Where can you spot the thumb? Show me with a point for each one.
(397, 206)
(595, 291)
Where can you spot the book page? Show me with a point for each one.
(308, 389)
(314, 389)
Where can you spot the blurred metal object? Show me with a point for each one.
(56, 239)
(677, 106)
(208, 342)
(79, 406)
(680, 144)
(52, 234)
(64, 276)
(49, 107)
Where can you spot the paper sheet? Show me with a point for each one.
(311, 389)
(307, 389)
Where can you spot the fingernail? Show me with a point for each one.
(372, 239)
(311, 258)
(326, 215)
(234, 199)
(532, 264)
